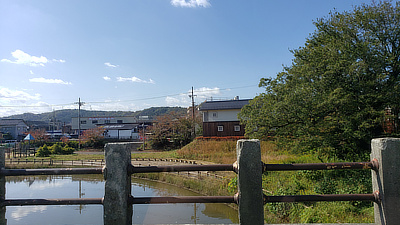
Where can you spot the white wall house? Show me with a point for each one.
(92, 122)
(220, 118)
(121, 131)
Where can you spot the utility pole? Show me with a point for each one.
(144, 136)
(193, 116)
(79, 121)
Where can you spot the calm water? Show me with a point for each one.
(92, 186)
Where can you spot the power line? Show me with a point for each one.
(118, 101)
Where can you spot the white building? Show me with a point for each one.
(220, 118)
(93, 122)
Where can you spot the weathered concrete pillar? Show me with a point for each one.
(386, 180)
(117, 184)
(251, 207)
(3, 219)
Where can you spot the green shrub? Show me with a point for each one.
(43, 151)
(66, 150)
(56, 149)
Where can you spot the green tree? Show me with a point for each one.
(93, 137)
(172, 130)
(333, 97)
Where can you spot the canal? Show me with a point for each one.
(92, 186)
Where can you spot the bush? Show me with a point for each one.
(55, 149)
(43, 151)
(66, 150)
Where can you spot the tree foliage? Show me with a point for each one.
(333, 97)
(170, 131)
(40, 136)
(93, 137)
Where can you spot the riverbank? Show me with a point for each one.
(274, 183)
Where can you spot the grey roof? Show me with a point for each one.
(11, 122)
(221, 105)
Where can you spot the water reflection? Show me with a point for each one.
(92, 186)
(22, 212)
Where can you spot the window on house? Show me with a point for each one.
(237, 127)
(220, 128)
(119, 121)
(107, 121)
(94, 121)
(214, 114)
(83, 122)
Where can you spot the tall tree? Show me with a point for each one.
(334, 95)
(93, 137)
(171, 130)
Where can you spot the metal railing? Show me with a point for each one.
(117, 201)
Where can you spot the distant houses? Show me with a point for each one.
(13, 128)
(220, 118)
(116, 127)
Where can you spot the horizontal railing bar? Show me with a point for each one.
(322, 198)
(179, 168)
(183, 199)
(50, 171)
(61, 201)
(319, 166)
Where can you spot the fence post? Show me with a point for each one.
(251, 207)
(117, 184)
(386, 180)
(3, 219)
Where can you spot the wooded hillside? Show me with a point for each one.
(65, 115)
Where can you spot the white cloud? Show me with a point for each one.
(114, 106)
(182, 100)
(48, 81)
(59, 60)
(191, 3)
(8, 96)
(31, 72)
(26, 59)
(13, 102)
(134, 79)
(201, 94)
(20, 57)
(106, 78)
(110, 65)
(205, 92)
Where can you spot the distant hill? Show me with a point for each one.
(66, 115)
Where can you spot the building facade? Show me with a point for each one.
(93, 122)
(116, 127)
(17, 128)
(220, 118)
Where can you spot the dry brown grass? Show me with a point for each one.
(224, 151)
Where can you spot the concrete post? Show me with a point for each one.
(3, 219)
(386, 180)
(251, 207)
(117, 210)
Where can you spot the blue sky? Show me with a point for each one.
(136, 54)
